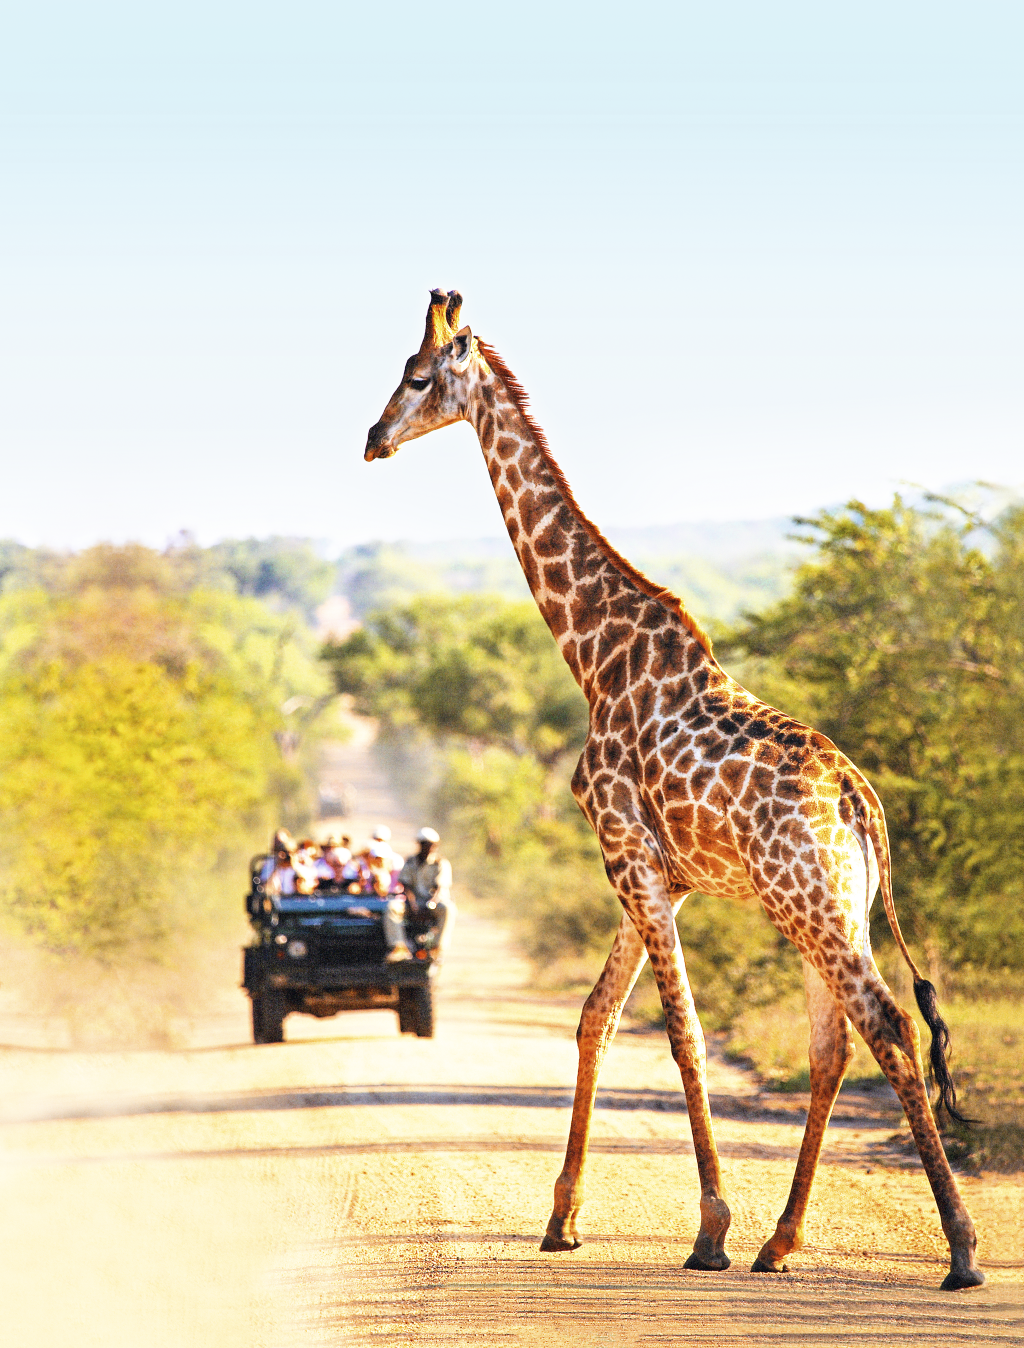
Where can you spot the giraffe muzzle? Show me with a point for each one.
(377, 445)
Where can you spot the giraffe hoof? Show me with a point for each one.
(556, 1245)
(759, 1266)
(695, 1261)
(961, 1279)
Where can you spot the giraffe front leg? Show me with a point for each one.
(831, 1048)
(690, 1053)
(597, 1027)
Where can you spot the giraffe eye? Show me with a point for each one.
(419, 384)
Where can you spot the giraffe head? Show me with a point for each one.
(435, 385)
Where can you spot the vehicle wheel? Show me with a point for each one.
(423, 1004)
(267, 1018)
(407, 1010)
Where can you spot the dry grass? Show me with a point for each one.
(987, 1061)
(773, 1039)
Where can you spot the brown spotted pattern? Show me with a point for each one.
(690, 783)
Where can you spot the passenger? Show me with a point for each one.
(370, 873)
(427, 881)
(393, 918)
(281, 878)
(282, 841)
(310, 868)
(355, 875)
(367, 873)
(337, 853)
(382, 837)
(379, 865)
(349, 874)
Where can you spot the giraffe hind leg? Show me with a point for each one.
(831, 1049)
(892, 1036)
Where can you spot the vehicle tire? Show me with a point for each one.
(407, 1010)
(423, 1005)
(267, 1018)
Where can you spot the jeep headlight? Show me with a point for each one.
(296, 949)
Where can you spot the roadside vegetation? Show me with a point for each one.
(901, 638)
(144, 708)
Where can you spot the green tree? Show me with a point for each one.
(137, 749)
(286, 572)
(477, 667)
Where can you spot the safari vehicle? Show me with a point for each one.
(322, 953)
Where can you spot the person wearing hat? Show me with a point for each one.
(382, 838)
(427, 880)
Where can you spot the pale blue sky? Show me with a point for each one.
(748, 259)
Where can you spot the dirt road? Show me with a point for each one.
(353, 1187)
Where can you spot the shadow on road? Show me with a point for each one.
(511, 1096)
(427, 1146)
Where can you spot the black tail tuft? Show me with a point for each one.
(925, 994)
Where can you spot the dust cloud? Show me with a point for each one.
(69, 1001)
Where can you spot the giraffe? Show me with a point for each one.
(691, 784)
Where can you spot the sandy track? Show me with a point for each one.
(354, 1187)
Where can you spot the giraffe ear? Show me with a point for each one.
(462, 348)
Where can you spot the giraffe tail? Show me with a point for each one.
(924, 991)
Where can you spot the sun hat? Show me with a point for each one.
(428, 835)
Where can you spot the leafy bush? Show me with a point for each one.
(138, 752)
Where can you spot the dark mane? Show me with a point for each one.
(625, 568)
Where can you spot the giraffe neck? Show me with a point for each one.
(595, 603)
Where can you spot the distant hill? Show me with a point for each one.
(723, 542)
(719, 569)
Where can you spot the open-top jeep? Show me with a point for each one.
(324, 952)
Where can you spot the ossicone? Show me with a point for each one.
(442, 319)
